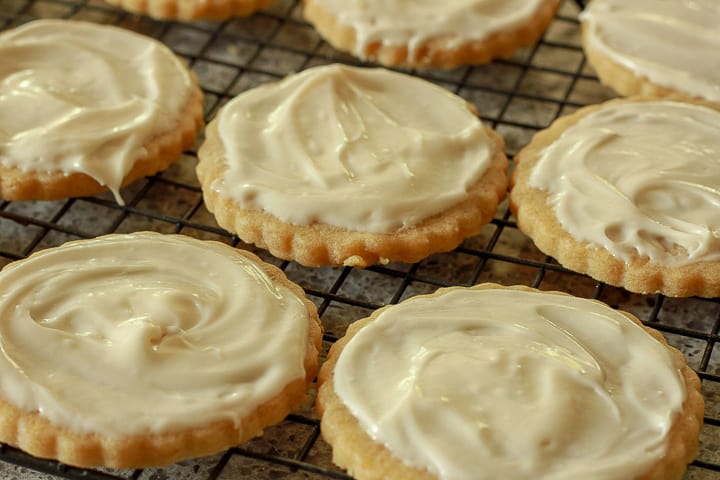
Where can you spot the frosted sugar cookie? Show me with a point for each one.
(655, 47)
(86, 108)
(192, 9)
(491, 382)
(339, 165)
(144, 349)
(628, 192)
(430, 34)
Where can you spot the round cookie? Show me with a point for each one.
(496, 382)
(347, 166)
(655, 47)
(430, 34)
(144, 349)
(129, 111)
(192, 9)
(628, 193)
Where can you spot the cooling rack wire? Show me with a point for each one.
(516, 96)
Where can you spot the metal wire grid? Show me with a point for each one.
(517, 96)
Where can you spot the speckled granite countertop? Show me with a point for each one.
(517, 96)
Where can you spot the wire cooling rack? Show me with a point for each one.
(516, 96)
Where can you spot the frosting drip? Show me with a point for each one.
(55, 116)
(674, 43)
(412, 22)
(140, 333)
(368, 150)
(639, 179)
(488, 384)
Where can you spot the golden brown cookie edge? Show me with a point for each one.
(438, 52)
(31, 432)
(537, 220)
(159, 153)
(185, 10)
(365, 459)
(321, 245)
(624, 80)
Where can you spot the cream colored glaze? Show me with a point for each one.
(363, 149)
(513, 385)
(79, 97)
(639, 178)
(141, 333)
(412, 22)
(673, 43)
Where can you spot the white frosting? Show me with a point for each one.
(500, 384)
(364, 149)
(80, 97)
(673, 43)
(639, 178)
(413, 22)
(140, 333)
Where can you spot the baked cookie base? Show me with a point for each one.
(38, 436)
(443, 52)
(624, 80)
(319, 244)
(365, 459)
(159, 153)
(191, 9)
(536, 218)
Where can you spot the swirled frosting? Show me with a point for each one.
(363, 149)
(673, 43)
(77, 97)
(639, 179)
(496, 383)
(139, 333)
(412, 22)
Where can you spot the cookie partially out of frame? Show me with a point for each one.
(654, 47)
(348, 166)
(432, 34)
(144, 349)
(192, 9)
(127, 111)
(496, 382)
(628, 193)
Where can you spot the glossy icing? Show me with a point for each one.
(673, 43)
(129, 334)
(81, 97)
(363, 149)
(639, 178)
(498, 383)
(412, 22)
